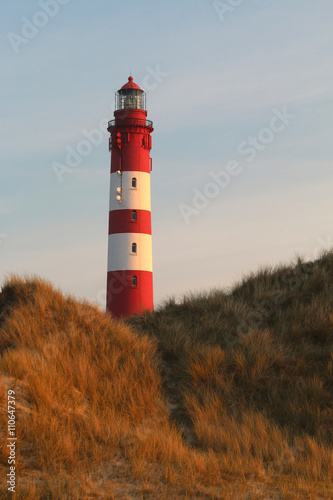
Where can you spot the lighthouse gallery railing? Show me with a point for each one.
(127, 121)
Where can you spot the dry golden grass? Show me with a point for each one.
(225, 395)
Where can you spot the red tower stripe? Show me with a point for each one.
(124, 299)
(121, 221)
(128, 162)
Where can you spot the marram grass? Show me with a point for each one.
(222, 395)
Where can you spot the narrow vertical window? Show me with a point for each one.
(134, 215)
(134, 281)
(134, 182)
(134, 246)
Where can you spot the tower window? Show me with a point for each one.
(134, 247)
(134, 281)
(134, 184)
(134, 216)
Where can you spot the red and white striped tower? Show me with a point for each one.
(130, 267)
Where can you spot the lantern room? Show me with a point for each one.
(130, 96)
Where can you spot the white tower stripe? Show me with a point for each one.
(131, 198)
(121, 257)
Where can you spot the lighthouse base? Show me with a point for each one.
(126, 295)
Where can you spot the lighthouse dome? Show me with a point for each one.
(130, 84)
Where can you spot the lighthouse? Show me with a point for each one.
(130, 267)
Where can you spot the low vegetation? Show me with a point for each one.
(224, 395)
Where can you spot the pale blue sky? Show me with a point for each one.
(219, 75)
